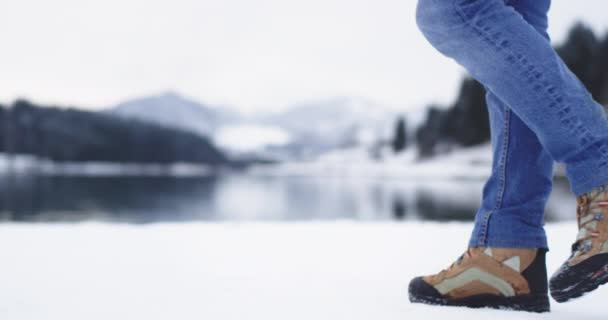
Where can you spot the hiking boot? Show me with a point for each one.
(587, 267)
(514, 279)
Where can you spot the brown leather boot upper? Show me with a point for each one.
(495, 271)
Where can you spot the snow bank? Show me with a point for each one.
(26, 163)
(470, 163)
(342, 270)
(244, 138)
(473, 163)
(18, 163)
(123, 169)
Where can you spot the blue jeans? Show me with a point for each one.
(539, 111)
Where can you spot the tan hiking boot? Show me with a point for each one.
(587, 267)
(488, 277)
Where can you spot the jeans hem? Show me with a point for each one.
(510, 228)
(588, 185)
(591, 172)
(503, 242)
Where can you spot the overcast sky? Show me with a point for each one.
(251, 54)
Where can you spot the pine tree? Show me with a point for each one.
(400, 138)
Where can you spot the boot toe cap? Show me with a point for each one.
(420, 290)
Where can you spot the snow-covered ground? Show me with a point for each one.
(17, 163)
(469, 163)
(464, 163)
(341, 270)
(26, 164)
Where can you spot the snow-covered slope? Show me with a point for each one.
(16, 163)
(320, 271)
(467, 163)
(173, 110)
(330, 116)
(312, 128)
(323, 125)
(250, 138)
(302, 131)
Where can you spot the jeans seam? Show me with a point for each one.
(483, 233)
(503, 160)
(502, 167)
(572, 122)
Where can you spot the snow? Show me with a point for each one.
(173, 110)
(337, 270)
(469, 163)
(333, 117)
(27, 164)
(319, 124)
(123, 169)
(472, 163)
(16, 163)
(250, 137)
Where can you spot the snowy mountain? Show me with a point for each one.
(173, 110)
(319, 126)
(330, 116)
(304, 130)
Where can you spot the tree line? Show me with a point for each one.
(70, 135)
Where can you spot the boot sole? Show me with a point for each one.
(589, 282)
(528, 302)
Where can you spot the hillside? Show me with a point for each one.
(69, 135)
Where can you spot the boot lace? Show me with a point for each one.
(457, 262)
(587, 217)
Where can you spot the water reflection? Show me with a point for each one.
(241, 197)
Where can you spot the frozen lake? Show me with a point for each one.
(247, 197)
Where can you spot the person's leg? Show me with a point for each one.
(515, 62)
(505, 267)
(504, 52)
(514, 197)
(512, 209)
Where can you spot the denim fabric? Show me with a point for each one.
(539, 111)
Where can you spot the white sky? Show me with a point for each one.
(251, 54)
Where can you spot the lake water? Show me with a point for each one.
(245, 197)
